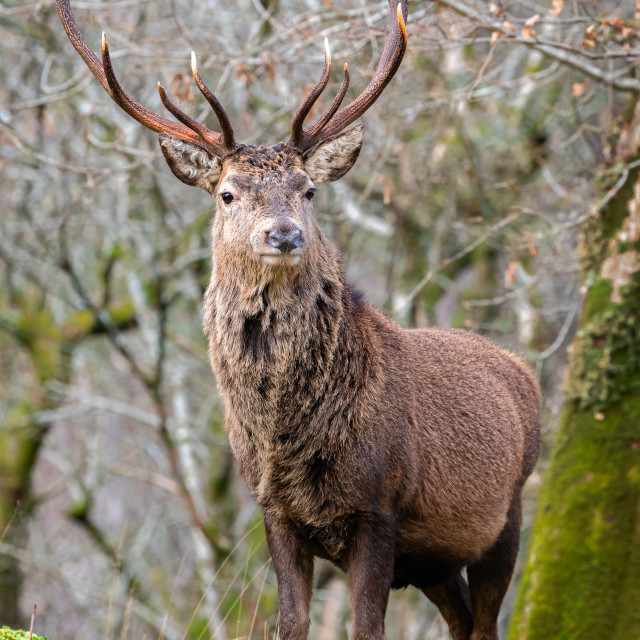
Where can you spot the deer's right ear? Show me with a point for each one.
(190, 163)
(330, 159)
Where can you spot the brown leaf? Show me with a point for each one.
(387, 189)
(529, 22)
(637, 9)
(243, 71)
(511, 272)
(495, 36)
(495, 9)
(181, 87)
(587, 42)
(508, 26)
(269, 66)
(533, 249)
(579, 88)
(306, 32)
(591, 30)
(527, 32)
(556, 7)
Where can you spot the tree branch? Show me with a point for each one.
(570, 59)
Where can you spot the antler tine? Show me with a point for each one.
(314, 130)
(86, 53)
(297, 133)
(221, 114)
(392, 54)
(104, 73)
(198, 127)
(198, 134)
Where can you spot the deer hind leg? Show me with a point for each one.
(454, 602)
(489, 577)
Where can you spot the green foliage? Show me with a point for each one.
(13, 634)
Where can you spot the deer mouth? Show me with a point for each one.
(280, 259)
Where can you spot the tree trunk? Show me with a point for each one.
(582, 578)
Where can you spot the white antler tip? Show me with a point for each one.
(194, 63)
(327, 50)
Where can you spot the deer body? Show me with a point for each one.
(399, 455)
(352, 431)
(327, 399)
(350, 416)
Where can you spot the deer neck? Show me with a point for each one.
(265, 323)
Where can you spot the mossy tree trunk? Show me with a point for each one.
(582, 578)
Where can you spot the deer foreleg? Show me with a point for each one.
(371, 573)
(294, 568)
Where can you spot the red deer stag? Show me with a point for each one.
(399, 455)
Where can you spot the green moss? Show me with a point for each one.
(582, 579)
(37, 330)
(19, 441)
(597, 300)
(604, 362)
(600, 228)
(12, 634)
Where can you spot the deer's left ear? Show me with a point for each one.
(331, 159)
(190, 163)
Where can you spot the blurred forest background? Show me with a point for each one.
(509, 131)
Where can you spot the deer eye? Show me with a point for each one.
(226, 197)
(310, 193)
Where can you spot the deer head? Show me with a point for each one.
(263, 193)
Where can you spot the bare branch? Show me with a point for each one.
(569, 58)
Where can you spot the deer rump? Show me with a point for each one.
(340, 418)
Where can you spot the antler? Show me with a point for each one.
(188, 129)
(331, 123)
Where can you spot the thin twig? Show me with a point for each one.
(33, 617)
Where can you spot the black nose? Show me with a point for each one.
(284, 240)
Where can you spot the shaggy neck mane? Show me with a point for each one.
(294, 355)
(296, 358)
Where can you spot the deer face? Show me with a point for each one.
(263, 194)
